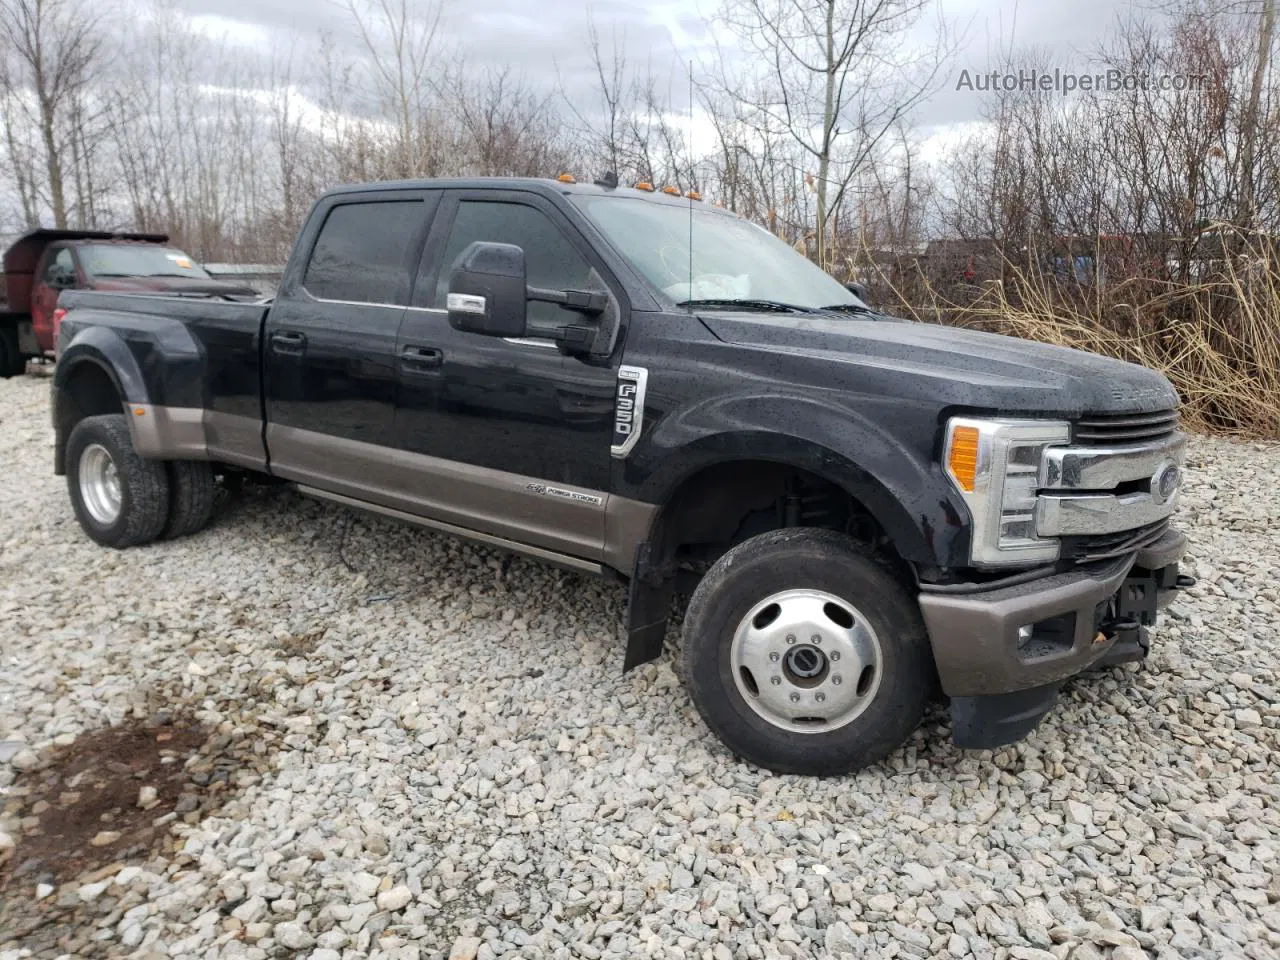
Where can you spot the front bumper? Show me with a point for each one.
(1002, 679)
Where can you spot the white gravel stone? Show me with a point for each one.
(437, 754)
(397, 898)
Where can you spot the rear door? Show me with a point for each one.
(330, 351)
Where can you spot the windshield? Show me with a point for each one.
(138, 260)
(733, 259)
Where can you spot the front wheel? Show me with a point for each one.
(803, 655)
(120, 499)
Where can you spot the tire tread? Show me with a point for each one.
(145, 509)
(888, 721)
(191, 495)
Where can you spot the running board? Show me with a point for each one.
(551, 556)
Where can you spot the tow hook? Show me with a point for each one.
(1132, 643)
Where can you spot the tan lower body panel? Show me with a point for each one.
(506, 507)
(192, 433)
(167, 433)
(235, 439)
(573, 563)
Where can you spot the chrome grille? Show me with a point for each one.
(1098, 429)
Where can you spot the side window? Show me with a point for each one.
(60, 262)
(362, 252)
(551, 261)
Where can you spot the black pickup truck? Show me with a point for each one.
(642, 386)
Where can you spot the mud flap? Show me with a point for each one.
(648, 608)
(983, 723)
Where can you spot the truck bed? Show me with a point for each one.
(188, 352)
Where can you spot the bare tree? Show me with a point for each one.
(399, 38)
(56, 45)
(1249, 119)
(841, 75)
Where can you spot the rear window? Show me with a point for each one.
(362, 253)
(137, 260)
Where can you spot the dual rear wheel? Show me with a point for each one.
(122, 499)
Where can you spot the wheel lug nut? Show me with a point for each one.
(795, 698)
(819, 697)
(791, 638)
(837, 680)
(773, 657)
(816, 638)
(835, 654)
(775, 680)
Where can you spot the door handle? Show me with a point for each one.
(421, 358)
(288, 342)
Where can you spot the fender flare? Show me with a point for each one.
(899, 484)
(892, 474)
(104, 350)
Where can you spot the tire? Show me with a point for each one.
(759, 608)
(139, 491)
(12, 362)
(190, 497)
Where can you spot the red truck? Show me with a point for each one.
(40, 265)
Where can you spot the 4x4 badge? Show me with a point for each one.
(628, 411)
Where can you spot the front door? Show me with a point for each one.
(515, 434)
(57, 272)
(330, 351)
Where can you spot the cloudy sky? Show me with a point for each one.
(546, 39)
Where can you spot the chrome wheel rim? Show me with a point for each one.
(100, 484)
(806, 661)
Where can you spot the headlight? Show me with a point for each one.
(995, 464)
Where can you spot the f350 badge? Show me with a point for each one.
(628, 410)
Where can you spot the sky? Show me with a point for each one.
(546, 40)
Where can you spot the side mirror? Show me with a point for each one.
(858, 290)
(487, 291)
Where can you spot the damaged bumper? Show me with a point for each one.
(1002, 654)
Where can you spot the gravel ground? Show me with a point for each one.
(354, 739)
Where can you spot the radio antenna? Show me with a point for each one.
(689, 199)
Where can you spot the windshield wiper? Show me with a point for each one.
(848, 308)
(747, 303)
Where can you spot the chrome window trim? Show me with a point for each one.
(352, 303)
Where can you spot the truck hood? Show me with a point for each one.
(958, 366)
(192, 286)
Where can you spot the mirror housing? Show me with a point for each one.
(858, 290)
(487, 291)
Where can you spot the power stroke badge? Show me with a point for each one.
(546, 490)
(628, 411)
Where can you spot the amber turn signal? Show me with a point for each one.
(644, 185)
(567, 178)
(962, 458)
(693, 195)
(674, 191)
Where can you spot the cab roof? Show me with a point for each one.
(545, 186)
